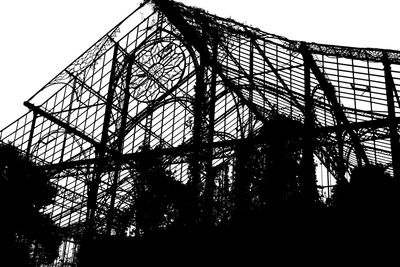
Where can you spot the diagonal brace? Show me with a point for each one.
(329, 92)
(62, 124)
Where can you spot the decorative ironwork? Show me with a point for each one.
(158, 66)
(193, 87)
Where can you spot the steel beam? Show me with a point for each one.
(308, 184)
(31, 133)
(392, 122)
(210, 179)
(194, 38)
(277, 75)
(62, 124)
(329, 92)
(120, 143)
(195, 162)
(340, 161)
(100, 153)
(187, 148)
(372, 124)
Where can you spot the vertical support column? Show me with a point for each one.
(251, 86)
(392, 122)
(31, 133)
(100, 153)
(308, 180)
(120, 143)
(340, 143)
(243, 151)
(329, 93)
(196, 158)
(210, 183)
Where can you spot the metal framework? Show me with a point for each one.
(187, 82)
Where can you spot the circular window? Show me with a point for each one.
(157, 67)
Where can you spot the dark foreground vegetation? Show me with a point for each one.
(261, 214)
(258, 210)
(27, 236)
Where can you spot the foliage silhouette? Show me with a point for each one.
(269, 170)
(160, 202)
(282, 156)
(258, 201)
(363, 211)
(370, 190)
(28, 236)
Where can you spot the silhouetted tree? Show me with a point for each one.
(340, 194)
(244, 176)
(160, 202)
(271, 163)
(28, 236)
(370, 189)
(281, 152)
(364, 210)
(267, 172)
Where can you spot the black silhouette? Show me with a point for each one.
(160, 201)
(28, 236)
(370, 195)
(181, 136)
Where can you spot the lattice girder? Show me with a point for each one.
(139, 85)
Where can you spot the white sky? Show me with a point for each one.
(40, 38)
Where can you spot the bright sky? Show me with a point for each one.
(40, 38)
